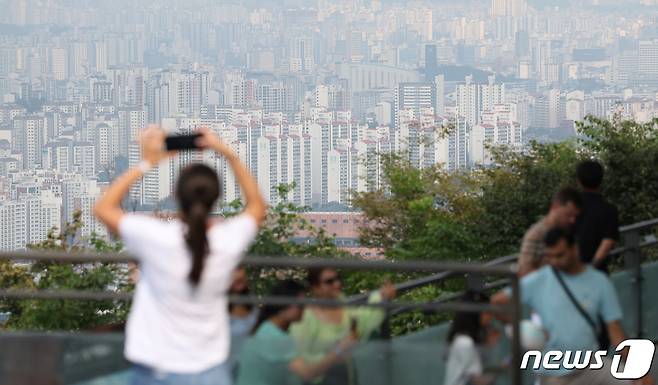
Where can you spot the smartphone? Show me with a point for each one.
(181, 142)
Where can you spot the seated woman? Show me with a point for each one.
(469, 329)
(322, 327)
(270, 357)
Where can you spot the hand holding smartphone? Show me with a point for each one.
(182, 142)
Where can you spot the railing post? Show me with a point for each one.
(516, 332)
(633, 263)
(385, 332)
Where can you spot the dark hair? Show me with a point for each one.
(285, 288)
(314, 275)
(554, 235)
(568, 194)
(197, 190)
(246, 291)
(590, 174)
(468, 323)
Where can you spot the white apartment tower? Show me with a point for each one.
(513, 8)
(30, 139)
(473, 98)
(58, 63)
(13, 220)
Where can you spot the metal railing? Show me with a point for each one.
(506, 272)
(634, 239)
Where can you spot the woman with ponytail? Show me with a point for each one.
(178, 328)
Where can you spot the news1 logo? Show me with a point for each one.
(637, 365)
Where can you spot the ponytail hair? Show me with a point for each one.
(196, 240)
(197, 191)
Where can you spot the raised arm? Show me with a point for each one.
(108, 207)
(368, 318)
(255, 205)
(501, 298)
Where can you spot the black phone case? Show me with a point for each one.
(181, 142)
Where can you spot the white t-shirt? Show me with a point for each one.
(173, 327)
(463, 361)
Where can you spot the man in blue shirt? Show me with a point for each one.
(566, 327)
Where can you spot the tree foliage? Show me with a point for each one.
(66, 314)
(419, 213)
(629, 151)
(283, 224)
(280, 236)
(483, 213)
(276, 238)
(515, 193)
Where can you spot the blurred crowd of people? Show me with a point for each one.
(563, 267)
(297, 344)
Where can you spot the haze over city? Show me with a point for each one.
(310, 92)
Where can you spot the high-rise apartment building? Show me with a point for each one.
(131, 120)
(513, 8)
(58, 63)
(29, 140)
(235, 89)
(648, 61)
(473, 98)
(454, 148)
(414, 96)
(302, 59)
(13, 219)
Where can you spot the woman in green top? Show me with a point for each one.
(270, 356)
(322, 327)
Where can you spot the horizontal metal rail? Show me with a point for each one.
(498, 284)
(639, 225)
(277, 262)
(435, 278)
(273, 262)
(83, 295)
(258, 300)
(294, 263)
(649, 240)
(66, 257)
(503, 266)
(448, 270)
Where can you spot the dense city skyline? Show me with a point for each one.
(310, 92)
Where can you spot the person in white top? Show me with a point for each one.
(468, 330)
(178, 328)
